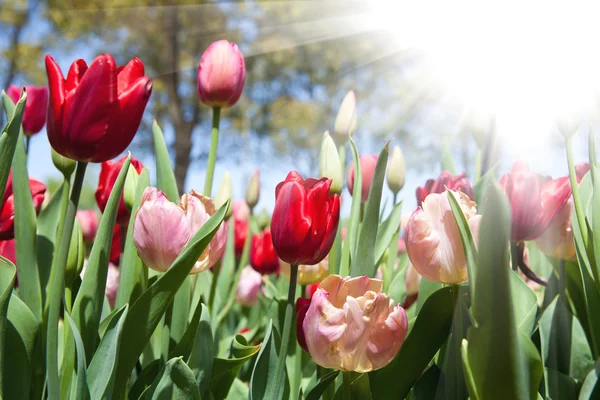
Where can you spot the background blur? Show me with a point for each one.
(301, 58)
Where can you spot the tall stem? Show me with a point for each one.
(57, 286)
(575, 190)
(212, 155)
(27, 143)
(213, 286)
(347, 382)
(514, 255)
(287, 327)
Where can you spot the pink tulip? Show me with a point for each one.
(367, 169)
(433, 241)
(352, 326)
(221, 75)
(88, 221)
(413, 280)
(112, 282)
(162, 229)
(36, 108)
(249, 286)
(557, 241)
(240, 209)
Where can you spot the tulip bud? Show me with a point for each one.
(263, 219)
(557, 241)
(88, 221)
(351, 325)
(249, 286)
(253, 190)
(224, 194)
(330, 166)
(367, 169)
(396, 170)
(34, 117)
(76, 255)
(130, 187)
(307, 274)
(64, 164)
(345, 121)
(568, 125)
(221, 74)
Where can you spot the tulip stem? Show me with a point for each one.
(213, 286)
(27, 141)
(57, 285)
(514, 255)
(347, 384)
(212, 155)
(575, 190)
(287, 327)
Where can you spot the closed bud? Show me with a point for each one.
(76, 255)
(568, 125)
(345, 121)
(253, 190)
(263, 219)
(64, 164)
(224, 194)
(330, 166)
(130, 187)
(396, 170)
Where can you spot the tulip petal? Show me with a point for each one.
(128, 74)
(291, 210)
(56, 88)
(75, 74)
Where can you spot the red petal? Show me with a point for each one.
(14, 92)
(128, 74)
(76, 72)
(56, 83)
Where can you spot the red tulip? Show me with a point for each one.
(36, 108)
(368, 162)
(94, 113)
(241, 232)
(7, 250)
(7, 214)
(108, 176)
(221, 74)
(305, 219)
(443, 182)
(534, 199)
(263, 257)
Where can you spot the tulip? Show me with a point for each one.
(412, 280)
(443, 182)
(367, 169)
(76, 256)
(221, 74)
(64, 164)
(224, 194)
(433, 241)
(241, 232)
(112, 282)
(253, 190)
(305, 219)
(396, 170)
(36, 108)
(557, 241)
(7, 214)
(263, 257)
(345, 121)
(350, 325)
(249, 286)
(8, 251)
(162, 229)
(108, 176)
(94, 113)
(581, 170)
(308, 274)
(534, 200)
(117, 244)
(240, 209)
(330, 165)
(88, 221)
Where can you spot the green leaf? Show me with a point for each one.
(238, 390)
(468, 373)
(103, 367)
(263, 380)
(224, 371)
(20, 337)
(87, 309)
(7, 280)
(165, 175)
(524, 303)
(349, 246)
(10, 136)
(387, 231)
(175, 381)
(185, 345)
(429, 332)
(145, 379)
(363, 262)
(516, 370)
(147, 311)
(324, 382)
(25, 232)
(133, 277)
(81, 387)
(201, 356)
(447, 161)
(227, 274)
(466, 237)
(426, 289)
(455, 387)
(590, 388)
(428, 384)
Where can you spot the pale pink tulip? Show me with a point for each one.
(249, 286)
(557, 241)
(112, 282)
(221, 74)
(352, 326)
(412, 279)
(367, 169)
(162, 229)
(307, 274)
(240, 209)
(88, 221)
(433, 241)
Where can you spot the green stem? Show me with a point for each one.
(27, 143)
(212, 155)
(575, 190)
(58, 285)
(297, 372)
(562, 279)
(514, 255)
(347, 379)
(395, 199)
(287, 327)
(213, 286)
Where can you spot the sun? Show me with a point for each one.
(526, 63)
